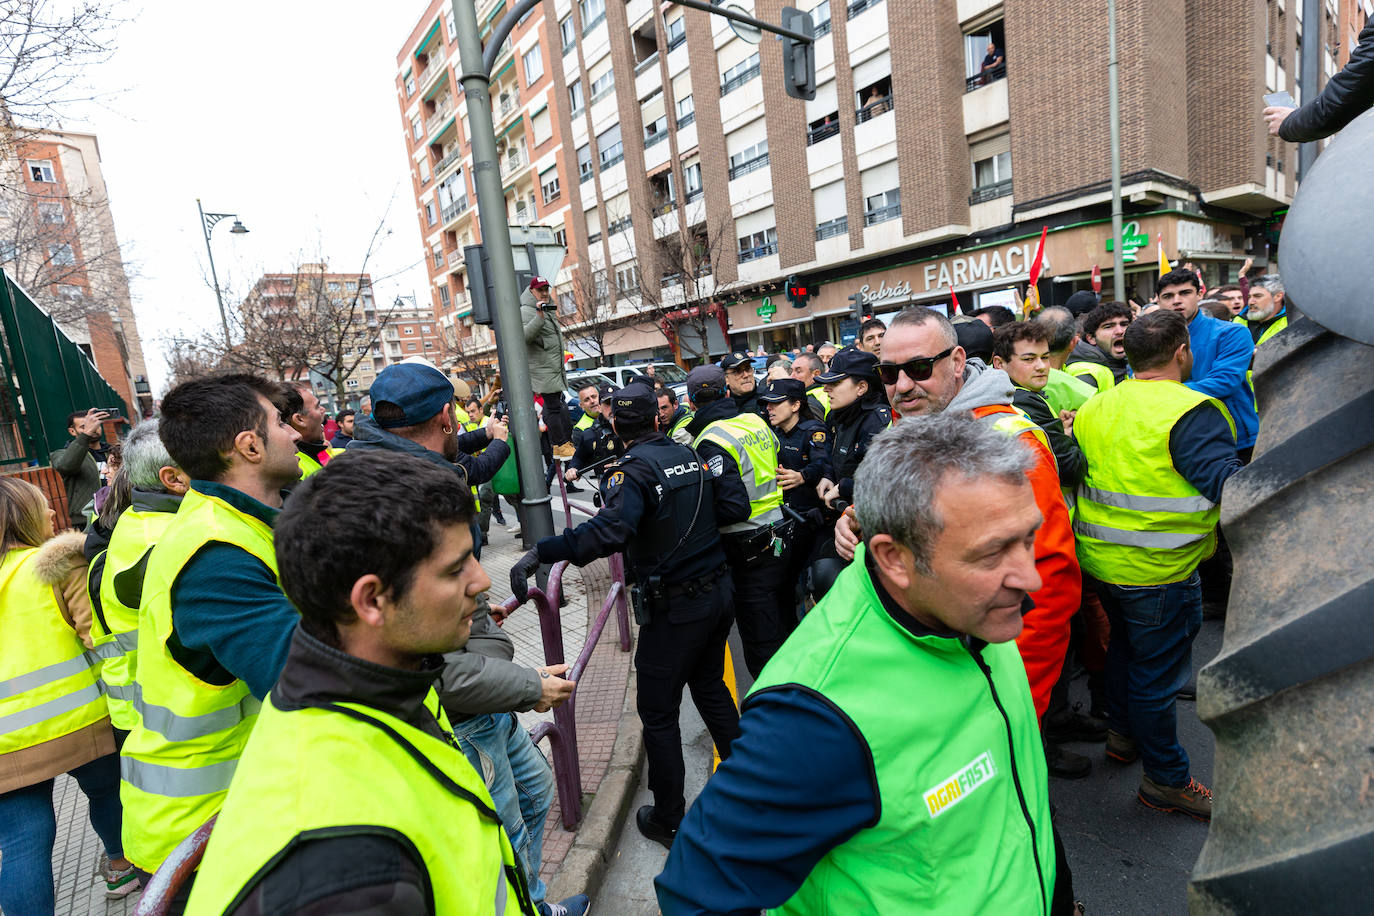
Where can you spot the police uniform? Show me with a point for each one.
(853, 427)
(598, 443)
(658, 507)
(741, 453)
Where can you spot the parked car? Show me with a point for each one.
(577, 380)
(669, 374)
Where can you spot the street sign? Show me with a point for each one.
(767, 310)
(1132, 241)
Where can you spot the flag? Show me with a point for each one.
(954, 300)
(1164, 267)
(1039, 257)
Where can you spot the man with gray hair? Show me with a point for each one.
(1267, 314)
(151, 485)
(926, 612)
(805, 368)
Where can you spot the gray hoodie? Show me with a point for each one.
(982, 387)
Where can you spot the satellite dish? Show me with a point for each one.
(743, 30)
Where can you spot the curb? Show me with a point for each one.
(584, 867)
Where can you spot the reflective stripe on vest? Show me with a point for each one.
(187, 728)
(1139, 521)
(176, 782)
(1098, 372)
(821, 395)
(744, 438)
(48, 683)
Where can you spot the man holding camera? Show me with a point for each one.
(77, 461)
(658, 507)
(544, 350)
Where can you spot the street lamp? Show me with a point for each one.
(208, 221)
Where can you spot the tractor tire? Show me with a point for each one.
(1290, 697)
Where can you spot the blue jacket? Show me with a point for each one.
(1221, 357)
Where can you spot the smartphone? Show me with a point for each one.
(113, 412)
(1279, 100)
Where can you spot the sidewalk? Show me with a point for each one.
(601, 700)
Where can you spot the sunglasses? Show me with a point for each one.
(918, 370)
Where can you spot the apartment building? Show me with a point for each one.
(58, 241)
(689, 187)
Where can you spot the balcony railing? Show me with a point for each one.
(882, 214)
(762, 251)
(511, 163)
(454, 155)
(686, 119)
(619, 225)
(821, 29)
(614, 156)
(655, 132)
(990, 192)
(873, 108)
(676, 41)
(990, 75)
(749, 165)
(824, 132)
(600, 18)
(646, 63)
(455, 209)
(694, 194)
(670, 279)
(509, 103)
(585, 174)
(831, 228)
(434, 121)
(738, 80)
(663, 208)
(858, 6)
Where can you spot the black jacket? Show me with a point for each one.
(598, 442)
(1067, 455)
(851, 429)
(475, 468)
(805, 448)
(1345, 97)
(1091, 353)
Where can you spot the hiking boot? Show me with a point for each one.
(1065, 763)
(1194, 799)
(578, 905)
(653, 829)
(1121, 748)
(120, 882)
(1075, 726)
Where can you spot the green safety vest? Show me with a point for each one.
(1064, 391)
(584, 422)
(681, 424)
(952, 835)
(820, 394)
(48, 681)
(116, 641)
(1099, 373)
(178, 759)
(1140, 522)
(321, 770)
(1279, 324)
(751, 442)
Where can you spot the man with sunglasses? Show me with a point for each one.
(925, 372)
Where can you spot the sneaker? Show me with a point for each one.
(1075, 726)
(1121, 748)
(1194, 799)
(652, 829)
(564, 452)
(579, 905)
(1065, 763)
(500, 519)
(120, 883)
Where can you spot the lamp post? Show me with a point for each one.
(208, 221)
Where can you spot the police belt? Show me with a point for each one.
(749, 545)
(689, 588)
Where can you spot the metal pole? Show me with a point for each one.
(1313, 25)
(206, 229)
(1114, 118)
(491, 214)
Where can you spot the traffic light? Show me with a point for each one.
(798, 57)
(799, 293)
(856, 305)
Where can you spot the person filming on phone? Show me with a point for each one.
(78, 461)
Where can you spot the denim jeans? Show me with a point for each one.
(1148, 662)
(28, 830)
(520, 781)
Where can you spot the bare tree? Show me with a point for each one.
(587, 311)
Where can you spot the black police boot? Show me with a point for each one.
(653, 830)
(1074, 725)
(1065, 763)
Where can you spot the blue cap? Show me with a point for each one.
(705, 378)
(783, 389)
(420, 391)
(633, 403)
(850, 361)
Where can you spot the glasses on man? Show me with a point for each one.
(918, 370)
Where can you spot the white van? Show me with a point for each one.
(669, 374)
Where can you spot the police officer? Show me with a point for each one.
(805, 368)
(803, 462)
(598, 443)
(744, 388)
(659, 508)
(741, 453)
(858, 412)
(673, 417)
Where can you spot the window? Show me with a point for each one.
(874, 99)
(549, 186)
(991, 174)
(424, 329)
(820, 19)
(444, 298)
(686, 111)
(749, 159)
(332, 286)
(567, 305)
(627, 280)
(51, 211)
(655, 131)
(9, 252)
(831, 228)
(575, 96)
(409, 329)
(450, 25)
(534, 64)
(410, 84)
(429, 212)
(676, 32)
(417, 128)
(429, 345)
(424, 170)
(569, 33)
(584, 163)
(351, 286)
(823, 128)
(560, 236)
(61, 255)
(740, 74)
(352, 383)
(593, 11)
(758, 244)
(879, 208)
(985, 58)
(600, 284)
(609, 148)
(410, 346)
(438, 254)
(41, 170)
(541, 127)
(858, 6)
(603, 84)
(692, 176)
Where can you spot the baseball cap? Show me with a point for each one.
(783, 389)
(704, 378)
(735, 360)
(420, 391)
(976, 339)
(850, 361)
(634, 403)
(604, 391)
(538, 282)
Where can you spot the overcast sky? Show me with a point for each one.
(282, 112)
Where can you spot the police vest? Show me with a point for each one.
(822, 397)
(752, 444)
(584, 422)
(114, 629)
(48, 685)
(962, 779)
(178, 759)
(1140, 522)
(348, 768)
(686, 498)
(1096, 371)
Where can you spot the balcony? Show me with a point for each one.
(619, 225)
(600, 18)
(882, 214)
(441, 111)
(509, 104)
(762, 251)
(655, 132)
(455, 155)
(990, 192)
(874, 107)
(689, 118)
(823, 132)
(858, 6)
(454, 210)
(987, 77)
(664, 207)
(831, 228)
(646, 63)
(749, 165)
(513, 163)
(738, 80)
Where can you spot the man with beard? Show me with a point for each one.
(1100, 360)
(1268, 312)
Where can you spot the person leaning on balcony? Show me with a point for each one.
(544, 349)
